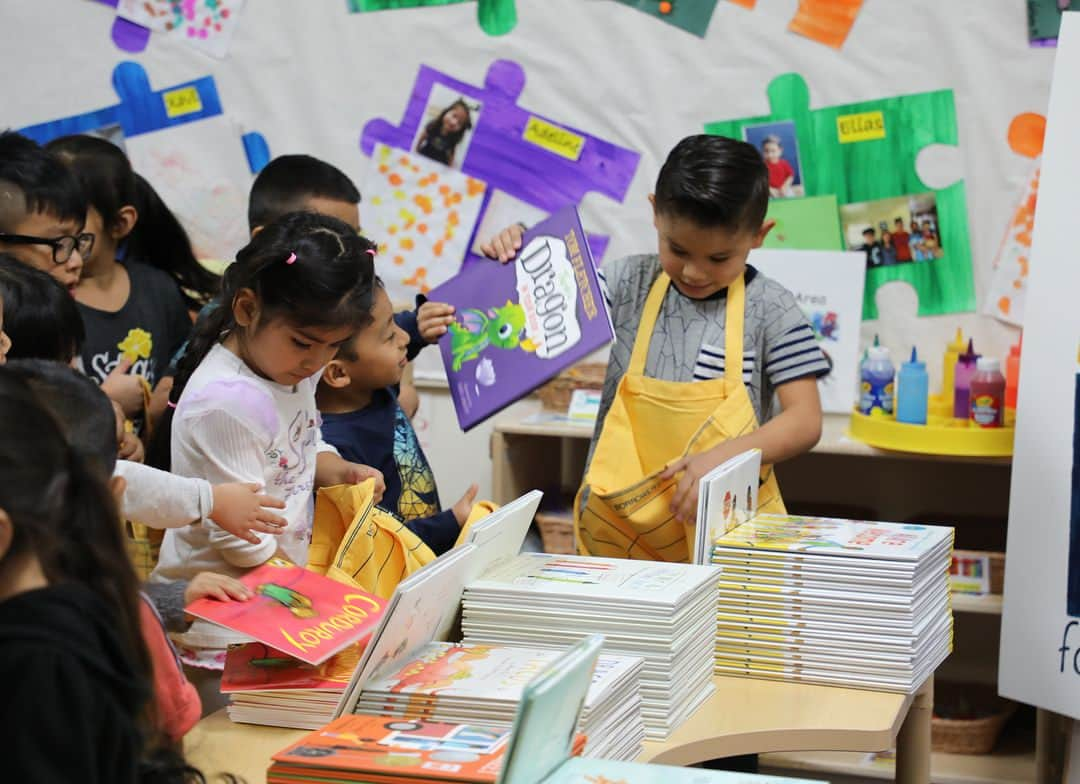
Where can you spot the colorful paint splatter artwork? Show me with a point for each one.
(205, 24)
(422, 215)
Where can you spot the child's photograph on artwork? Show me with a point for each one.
(446, 127)
(779, 147)
(900, 230)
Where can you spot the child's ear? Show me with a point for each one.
(336, 375)
(117, 486)
(124, 222)
(245, 307)
(652, 203)
(763, 232)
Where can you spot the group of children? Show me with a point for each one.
(288, 380)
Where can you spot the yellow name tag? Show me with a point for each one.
(182, 101)
(860, 127)
(552, 138)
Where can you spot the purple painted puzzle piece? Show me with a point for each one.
(500, 155)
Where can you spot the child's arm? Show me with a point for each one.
(163, 500)
(789, 434)
(441, 531)
(332, 469)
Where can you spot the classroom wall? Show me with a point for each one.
(308, 76)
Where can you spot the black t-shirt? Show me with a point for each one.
(149, 328)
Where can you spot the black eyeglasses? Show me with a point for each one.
(62, 247)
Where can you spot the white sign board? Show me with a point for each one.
(1040, 635)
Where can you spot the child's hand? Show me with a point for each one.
(433, 319)
(130, 447)
(504, 245)
(463, 507)
(355, 473)
(684, 503)
(125, 388)
(208, 585)
(241, 510)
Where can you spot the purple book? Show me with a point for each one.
(521, 323)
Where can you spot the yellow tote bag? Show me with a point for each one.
(357, 543)
(652, 422)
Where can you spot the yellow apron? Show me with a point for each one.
(652, 423)
(355, 542)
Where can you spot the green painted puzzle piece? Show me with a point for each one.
(876, 161)
(811, 223)
(693, 16)
(496, 17)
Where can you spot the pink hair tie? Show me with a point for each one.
(171, 404)
(371, 251)
(291, 259)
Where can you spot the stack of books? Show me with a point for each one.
(836, 602)
(267, 687)
(662, 612)
(459, 683)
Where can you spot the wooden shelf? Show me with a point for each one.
(989, 604)
(1012, 762)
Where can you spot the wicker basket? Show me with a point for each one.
(997, 566)
(968, 718)
(555, 395)
(556, 532)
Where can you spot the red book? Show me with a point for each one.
(297, 612)
(255, 666)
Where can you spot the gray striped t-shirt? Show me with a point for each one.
(688, 341)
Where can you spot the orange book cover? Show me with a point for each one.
(255, 666)
(381, 748)
(297, 612)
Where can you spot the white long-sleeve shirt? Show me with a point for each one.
(159, 499)
(231, 425)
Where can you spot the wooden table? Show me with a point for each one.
(744, 716)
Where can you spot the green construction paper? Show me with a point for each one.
(811, 223)
(496, 17)
(880, 169)
(693, 16)
(1044, 19)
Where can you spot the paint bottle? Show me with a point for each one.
(1012, 373)
(965, 369)
(912, 391)
(948, 369)
(988, 393)
(877, 381)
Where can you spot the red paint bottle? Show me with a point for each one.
(988, 393)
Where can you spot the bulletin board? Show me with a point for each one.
(336, 78)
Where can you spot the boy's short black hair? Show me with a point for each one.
(715, 182)
(32, 179)
(288, 181)
(40, 316)
(86, 416)
(869, 230)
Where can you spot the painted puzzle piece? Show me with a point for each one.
(693, 16)
(496, 17)
(865, 153)
(1007, 297)
(825, 21)
(179, 138)
(525, 155)
(207, 25)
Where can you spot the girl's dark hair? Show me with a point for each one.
(310, 269)
(40, 316)
(62, 511)
(434, 128)
(716, 182)
(158, 239)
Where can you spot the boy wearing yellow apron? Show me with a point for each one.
(703, 344)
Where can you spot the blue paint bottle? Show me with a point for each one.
(877, 381)
(912, 391)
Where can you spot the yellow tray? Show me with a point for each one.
(940, 436)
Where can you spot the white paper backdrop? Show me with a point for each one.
(309, 75)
